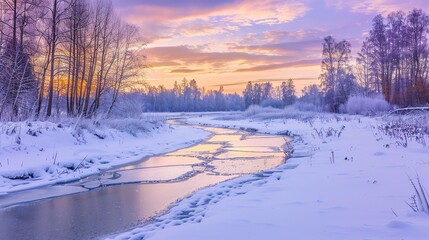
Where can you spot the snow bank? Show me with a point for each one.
(346, 179)
(34, 154)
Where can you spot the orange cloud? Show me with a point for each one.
(264, 81)
(294, 50)
(277, 37)
(185, 70)
(186, 55)
(256, 58)
(294, 64)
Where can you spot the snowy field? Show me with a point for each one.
(348, 178)
(34, 154)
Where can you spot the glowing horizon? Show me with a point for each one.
(231, 42)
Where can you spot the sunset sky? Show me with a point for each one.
(231, 42)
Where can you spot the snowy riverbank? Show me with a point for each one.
(34, 154)
(346, 179)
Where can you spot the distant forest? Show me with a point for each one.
(187, 96)
(74, 58)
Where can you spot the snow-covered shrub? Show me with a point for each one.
(294, 113)
(131, 125)
(255, 110)
(128, 106)
(272, 103)
(102, 127)
(153, 117)
(407, 128)
(269, 113)
(367, 105)
(307, 107)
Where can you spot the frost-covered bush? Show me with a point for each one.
(131, 125)
(289, 112)
(153, 117)
(367, 105)
(101, 127)
(272, 103)
(128, 106)
(292, 112)
(256, 109)
(307, 107)
(406, 128)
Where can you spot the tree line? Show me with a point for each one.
(63, 56)
(185, 96)
(265, 94)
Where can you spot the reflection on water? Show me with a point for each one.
(125, 197)
(166, 160)
(240, 154)
(254, 149)
(156, 174)
(225, 138)
(273, 141)
(209, 147)
(243, 167)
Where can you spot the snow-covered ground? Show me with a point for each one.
(346, 179)
(34, 154)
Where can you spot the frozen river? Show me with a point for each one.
(125, 197)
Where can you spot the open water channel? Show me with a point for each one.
(129, 196)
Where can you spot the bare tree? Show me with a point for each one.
(18, 88)
(73, 52)
(337, 81)
(127, 63)
(398, 54)
(363, 69)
